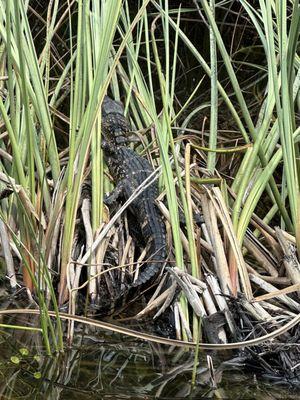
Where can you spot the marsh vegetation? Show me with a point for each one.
(211, 91)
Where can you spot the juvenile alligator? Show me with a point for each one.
(129, 171)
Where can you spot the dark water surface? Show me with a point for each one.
(107, 366)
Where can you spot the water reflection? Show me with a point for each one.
(105, 366)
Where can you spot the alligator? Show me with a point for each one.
(129, 170)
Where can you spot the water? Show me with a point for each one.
(101, 365)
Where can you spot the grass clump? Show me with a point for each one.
(53, 85)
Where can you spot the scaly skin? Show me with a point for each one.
(129, 171)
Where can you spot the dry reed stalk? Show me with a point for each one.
(126, 251)
(290, 289)
(235, 249)
(276, 309)
(266, 250)
(194, 281)
(5, 155)
(140, 262)
(272, 244)
(256, 313)
(187, 169)
(73, 285)
(71, 271)
(221, 264)
(29, 264)
(99, 257)
(280, 280)
(163, 300)
(53, 238)
(261, 311)
(267, 287)
(190, 293)
(199, 250)
(99, 260)
(24, 198)
(185, 324)
(177, 321)
(8, 255)
(260, 257)
(86, 219)
(220, 300)
(127, 257)
(168, 301)
(14, 248)
(159, 287)
(290, 260)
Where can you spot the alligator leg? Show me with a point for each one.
(112, 197)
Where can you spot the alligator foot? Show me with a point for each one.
(112, 197)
